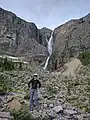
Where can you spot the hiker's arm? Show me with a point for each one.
(29, 83)
(39, 83)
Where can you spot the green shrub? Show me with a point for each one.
(27, 96)
(52, 90)
(6, 64)
(4, 84)
(86, 108)
(84, 58)
(21, 115)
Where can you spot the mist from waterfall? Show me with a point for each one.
(50, 42)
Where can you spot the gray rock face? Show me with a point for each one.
(5, 116)
(19, 37)
(72, 37)
(44, 32)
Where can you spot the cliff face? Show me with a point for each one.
(19, 37)
(45, 33)
(71, 38)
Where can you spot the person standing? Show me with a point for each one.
(35, 83)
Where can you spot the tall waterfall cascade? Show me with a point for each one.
(50, 43)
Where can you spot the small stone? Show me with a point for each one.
(58, 109)
(42, 107)
(45, 105)
(80, 117)
(70, 112)
(3, 109)
(4, 115)
(52, 114)
(51, 105)
(44, 114)
(40, 111)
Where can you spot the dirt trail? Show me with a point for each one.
(73, 65)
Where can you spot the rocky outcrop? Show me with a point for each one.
(5, 116)
(71, 38)
(19, 37)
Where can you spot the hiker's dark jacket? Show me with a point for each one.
(34, 84)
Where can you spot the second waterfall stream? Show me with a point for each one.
(50, 43)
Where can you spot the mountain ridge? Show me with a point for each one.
(70, 39)
(19, 37)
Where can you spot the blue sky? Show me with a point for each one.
(47, 13)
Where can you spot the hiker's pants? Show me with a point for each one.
(33, 94)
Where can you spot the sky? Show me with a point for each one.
(47, 13)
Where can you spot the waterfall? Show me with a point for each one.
(50, 42)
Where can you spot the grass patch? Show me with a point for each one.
(5, 85)
(84, 58)
(27, 96)
(85, 108)
(6, 64)
(51, 90)
(21, 115)
(9, 65)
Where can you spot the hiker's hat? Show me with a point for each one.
(35, 74)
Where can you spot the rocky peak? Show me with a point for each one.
(46, 32)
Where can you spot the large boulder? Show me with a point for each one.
(58, 109)
(5, 116)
